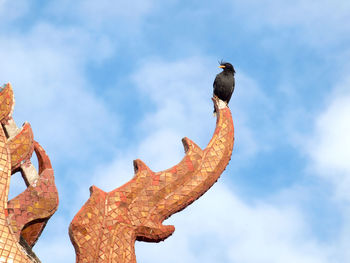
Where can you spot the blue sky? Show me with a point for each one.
(105, 82)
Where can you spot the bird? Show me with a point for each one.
(224, 83)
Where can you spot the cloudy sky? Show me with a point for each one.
(105, 82)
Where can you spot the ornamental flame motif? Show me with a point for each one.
(23, 218)
(107, 226)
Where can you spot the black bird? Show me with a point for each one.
(224, 83)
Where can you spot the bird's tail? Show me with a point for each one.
(215, 98)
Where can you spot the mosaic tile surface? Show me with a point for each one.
(7, 103)
(29, 212)
(21, 146)
(107, 226)
(23, 218)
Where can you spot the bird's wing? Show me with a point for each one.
(232, 89)
(214, 84)
(217, 83)
(228, 100)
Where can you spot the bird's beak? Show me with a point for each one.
(221, 66)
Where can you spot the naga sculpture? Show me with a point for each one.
(107, 226)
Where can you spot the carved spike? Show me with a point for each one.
(140, 166)
(88, 221)
(7, 103)
(189, 145)
(94, 190)
(43, 159)
(21, 146)
(150, 234)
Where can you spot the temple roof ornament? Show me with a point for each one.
(107, 226)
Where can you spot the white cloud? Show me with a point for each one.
(181, 94)
(110, 175)
(12, 9)
(221, 227)
(108, 9)
(46, 69)
(54, 245)
(104, 14)
(319, 21)
(250, 108)
(329, 146)
(181, 91)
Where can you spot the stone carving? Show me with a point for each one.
(106, 227)
(23, 218)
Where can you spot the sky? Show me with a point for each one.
(105, 82)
